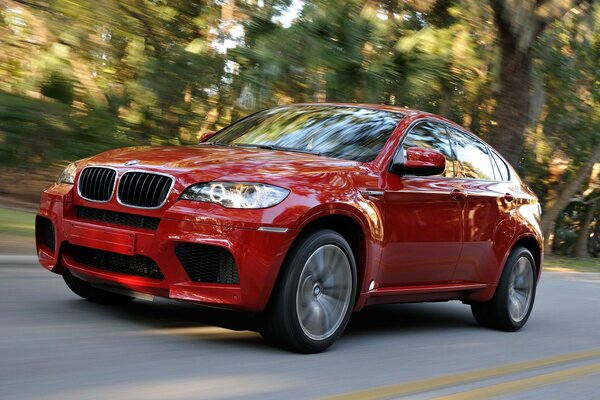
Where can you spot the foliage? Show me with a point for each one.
(80, 77)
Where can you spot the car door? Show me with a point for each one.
(423, 217)
(487, 206)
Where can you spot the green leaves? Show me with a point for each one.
(157, 71)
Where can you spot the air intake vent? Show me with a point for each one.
(118, 218)
(114, 262)
(143, 189)
(97, 183)
(209, 264)
(45, 232)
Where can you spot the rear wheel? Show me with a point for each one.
(512, 303)
(314, 299)
(91, 293)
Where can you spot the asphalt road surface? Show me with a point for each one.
(54, 345)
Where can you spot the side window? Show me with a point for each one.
(502, 167)
(497, 173)
(472, 156)
(431, 135)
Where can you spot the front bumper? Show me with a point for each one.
(258, 254)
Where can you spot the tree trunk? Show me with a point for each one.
(513, 98)
(519, 23)
(581, 245)
(555, 208)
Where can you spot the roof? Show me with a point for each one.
(406, 111)
(363, 105)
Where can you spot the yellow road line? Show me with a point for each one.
(524, 384)
(391, 391)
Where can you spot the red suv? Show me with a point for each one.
(303, 213)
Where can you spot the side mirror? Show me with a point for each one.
(205, 136)
(419, 161)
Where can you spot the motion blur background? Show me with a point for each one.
(79, 77)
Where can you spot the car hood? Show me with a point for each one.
(205, 162)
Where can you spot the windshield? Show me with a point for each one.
(351, 133)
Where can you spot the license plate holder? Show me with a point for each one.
(103, 238)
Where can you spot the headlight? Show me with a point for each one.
(236, 195)
(68, 175)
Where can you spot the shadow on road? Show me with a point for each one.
(187, 321)
(404, 318)
(168, 318)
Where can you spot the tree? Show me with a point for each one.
(556, 206)
(80, 77)
(519, 24)
(581, 245)
(564, 144)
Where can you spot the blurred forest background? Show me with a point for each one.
(79, 77)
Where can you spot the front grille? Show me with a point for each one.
(114, 262)
(209, 264)
(118, 218)
(45, 231)
(97, 183)
(143, 189)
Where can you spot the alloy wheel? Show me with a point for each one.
(520, 289)
(324, 292)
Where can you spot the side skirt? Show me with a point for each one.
(423, 293)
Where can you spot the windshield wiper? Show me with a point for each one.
(217, 144)
(275, 147)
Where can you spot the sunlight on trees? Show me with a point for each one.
(80, 77)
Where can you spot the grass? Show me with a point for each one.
(569, 263)
(17, 223)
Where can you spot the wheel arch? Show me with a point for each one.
(351, 230)
(527, 240)
(350, 227)
(535, 248)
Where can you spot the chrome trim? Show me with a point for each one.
(112, 193)
(146, 172)
(272, 229)
(372, 192)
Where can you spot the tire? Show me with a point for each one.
(313, 300)
(512, 303)
(91, 293)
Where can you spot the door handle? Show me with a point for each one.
(458, 194)
(509, 197)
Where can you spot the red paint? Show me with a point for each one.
(425, 238)
(418, 159)
(205, 136)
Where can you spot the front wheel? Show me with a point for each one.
(313, 301)
(512, 303)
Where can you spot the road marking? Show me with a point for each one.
(524, 384)
(425, 385)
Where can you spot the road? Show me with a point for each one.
(54, 345)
